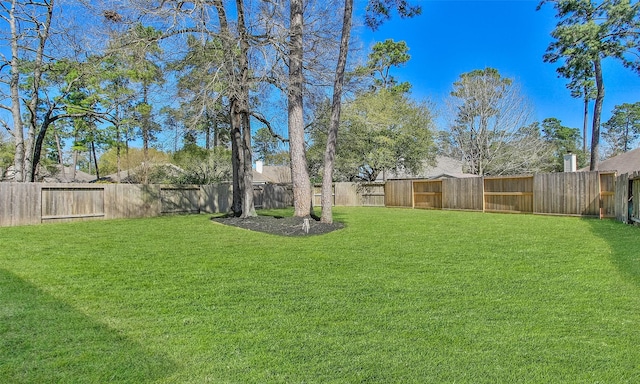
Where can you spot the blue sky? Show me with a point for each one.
(453, 37)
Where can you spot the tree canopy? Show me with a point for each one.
(589, 31)
(490, 127)
(623, 128)
(381, 131)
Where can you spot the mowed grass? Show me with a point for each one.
(397, 296)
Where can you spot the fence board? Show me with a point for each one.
(508, 194)
(346, 195)
(216, 197)
(635, 202)
(277, 196)
(6, 206)
(398, 193)
(71, 202)
(372, 195)
(572, 193)
(353, 194)
(181, 199)
(462, 194)
(578, 193)
(607, 194)
(427, 194)
(622, 203)
(33, 203)
(19, 204)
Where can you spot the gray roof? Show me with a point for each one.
(444, 167)
(277, 174)
(57, 174)
(628, 162)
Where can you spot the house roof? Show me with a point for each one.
(133, 175)
(627, 162)
(59, 175)
(444, 167)
(277, 174)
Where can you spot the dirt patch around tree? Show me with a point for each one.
(282, 226)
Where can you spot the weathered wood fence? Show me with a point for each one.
(34, 203)
(353, 194)
(599, 194)
(627, 198)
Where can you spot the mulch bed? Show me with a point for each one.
(283, 226)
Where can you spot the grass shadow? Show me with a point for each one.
(624, 241)
(45, 340)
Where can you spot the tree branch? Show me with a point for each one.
(264, 121)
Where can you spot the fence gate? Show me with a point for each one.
(607, 195)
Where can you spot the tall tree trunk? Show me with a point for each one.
(60, 161)
(118, 165)
(236, 159)
(37, 145)
(118, 142)
(332, 138)
(237, 149)
(216, 133)
(597, 112)
(626, 135)
(585, 121)
(299, 172)
(16, 113)
(207, 133)
(74, 165)
(34, 138)
(146, 124)
(248, 208)
(95, 159)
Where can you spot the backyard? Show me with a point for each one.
(397, 295)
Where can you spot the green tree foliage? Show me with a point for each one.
(623, 128)
(7, 151)
(203, 166)
(384, 56)
(562, 140)
(130, 161)
(588, 32)
(267, 148)
(140, 51)
(380, 131)
(201, 86)
(379, 11)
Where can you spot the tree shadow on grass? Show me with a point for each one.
(624, 241)
(43, 340)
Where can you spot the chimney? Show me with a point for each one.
(570, 163)
(259, 165)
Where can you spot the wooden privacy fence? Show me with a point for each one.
(34, 203)
(353, 194)
(576, 193)
(599, 194)
(627, 198)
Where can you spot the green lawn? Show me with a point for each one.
(398, 296)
